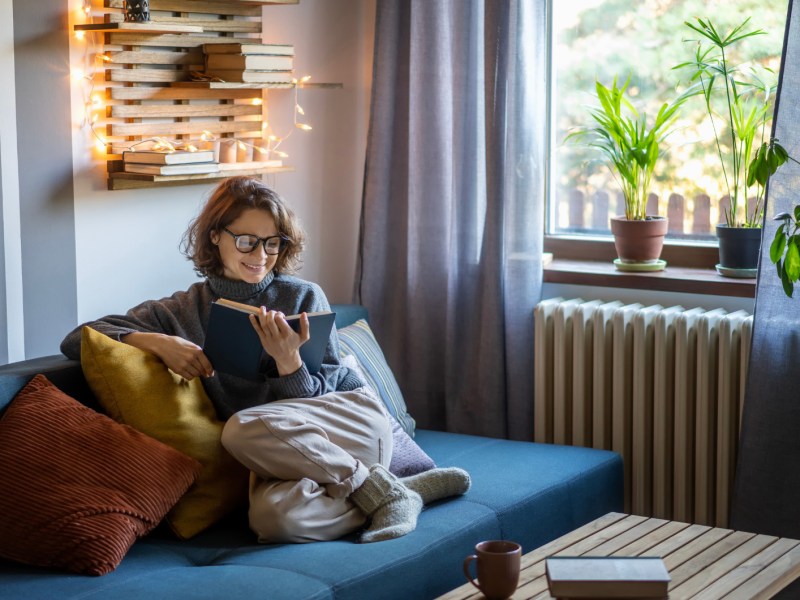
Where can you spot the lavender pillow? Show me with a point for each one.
(407, 457)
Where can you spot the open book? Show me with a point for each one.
(233, 347)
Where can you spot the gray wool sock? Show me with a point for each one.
(392, 508)
(436, 484)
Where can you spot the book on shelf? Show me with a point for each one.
(251, 76)
(250, 61)
(185, 169)
(249, 48)
(607, 577)
(156, 157)
(232, 344)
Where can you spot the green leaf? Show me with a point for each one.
(797, 213)
(778, 245)
(788, 286)
(791, 263)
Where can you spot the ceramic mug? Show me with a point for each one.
(497, 565)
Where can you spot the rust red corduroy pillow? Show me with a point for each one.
(79, 488)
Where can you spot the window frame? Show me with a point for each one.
(693, 261)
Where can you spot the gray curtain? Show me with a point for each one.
(766, 496)
(450, 255)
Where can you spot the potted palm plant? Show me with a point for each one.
(631, 150)
(739, 107)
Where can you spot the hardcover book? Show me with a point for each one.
(250, 61)
(607, 576)
(178, 157)
(185, 169)
(248, 76)
(232, 344)
(249, 48)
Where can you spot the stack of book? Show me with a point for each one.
(177, 162)
(242, 62)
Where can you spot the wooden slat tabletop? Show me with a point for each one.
(704, 562)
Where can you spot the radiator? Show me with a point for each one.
(663, 387)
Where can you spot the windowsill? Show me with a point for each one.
(691, 280)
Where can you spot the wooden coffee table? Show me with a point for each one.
(704, 562)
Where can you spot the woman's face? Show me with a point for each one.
(253, 266)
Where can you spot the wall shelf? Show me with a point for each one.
(149, 71)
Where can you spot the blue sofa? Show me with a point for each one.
(522, 491)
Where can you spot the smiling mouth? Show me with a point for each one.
(253, 267)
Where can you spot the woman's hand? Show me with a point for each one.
(279, 340)
(181, 356)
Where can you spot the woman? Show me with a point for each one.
(318, 445)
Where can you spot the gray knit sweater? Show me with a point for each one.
(186, 313)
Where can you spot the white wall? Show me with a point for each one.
(127, 241)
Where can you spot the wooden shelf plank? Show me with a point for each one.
(126, 27)
(181, 128)
(183, 111)
(180, 93)
(207, 25)
(227, 85)
(220, 7)
(125, 181)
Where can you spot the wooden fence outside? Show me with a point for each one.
(591, 213)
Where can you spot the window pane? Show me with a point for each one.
(645, 39)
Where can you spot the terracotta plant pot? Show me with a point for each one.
(639, 241)
(739, 247)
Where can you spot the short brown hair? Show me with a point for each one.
(229, 200)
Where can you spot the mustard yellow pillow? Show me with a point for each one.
(137, 389)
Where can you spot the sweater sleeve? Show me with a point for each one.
(178, 315)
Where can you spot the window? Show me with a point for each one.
(644, 39)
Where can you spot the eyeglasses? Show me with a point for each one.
(246, 242)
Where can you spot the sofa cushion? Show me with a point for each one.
(78, 488)
(357, 339)
(136, 388)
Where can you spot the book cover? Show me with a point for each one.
(187, 169)
(250, 61)
(178, 157)
(248, 76)
(249, 48)
(233, 347)
(607, 576)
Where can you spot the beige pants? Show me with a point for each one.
(306, 456)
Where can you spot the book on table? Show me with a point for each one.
(250, 61)
(186, 169)
(177, 157)
(251, 76)
(607, 576)
(233, 346)
(249, 48)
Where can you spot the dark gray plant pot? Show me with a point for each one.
(739, 247)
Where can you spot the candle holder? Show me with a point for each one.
(137, 11)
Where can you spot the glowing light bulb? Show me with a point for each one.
(100, 145)
(303, 126)
(305, 78)
(299, 109)
(258, 101)
(78, 74)
(79, 35)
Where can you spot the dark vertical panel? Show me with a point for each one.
(44, 133)
(766, 496)
(3, 294)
